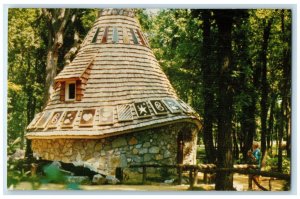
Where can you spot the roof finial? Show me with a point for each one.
(118, 11)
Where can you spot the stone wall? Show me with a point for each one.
(154, 146)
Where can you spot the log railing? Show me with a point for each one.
(247, 169)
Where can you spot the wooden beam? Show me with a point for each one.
(180, 175)
(250, 182)
(191, 179)
(144, 174)
(245, 170)
(85, 135)
(67, 79)
(195, 179)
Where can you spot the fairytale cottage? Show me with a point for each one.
(113, 106)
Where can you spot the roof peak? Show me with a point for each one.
(118, 11)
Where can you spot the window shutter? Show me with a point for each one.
(62, 91)
(78, 90)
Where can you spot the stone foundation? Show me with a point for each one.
(154, 146)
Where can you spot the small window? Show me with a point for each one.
(70, 91)
(95, 36)
(135, 40)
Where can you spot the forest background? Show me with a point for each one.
(232, 66)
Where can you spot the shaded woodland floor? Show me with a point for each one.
(240, 183)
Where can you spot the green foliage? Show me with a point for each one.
(53, 174)
(88, 18)
(164, 173)
(25, 69)
(27, 50)
(175, 36)
(271, 164)
(17, 167)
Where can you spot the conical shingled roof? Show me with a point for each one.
(120, 87)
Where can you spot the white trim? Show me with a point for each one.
(67, 91)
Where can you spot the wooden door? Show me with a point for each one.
(180, 145)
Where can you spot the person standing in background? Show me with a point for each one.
(255, 156)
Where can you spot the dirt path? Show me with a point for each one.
(240, 183)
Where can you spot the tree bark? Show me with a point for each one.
(286, 86)
(76, 21)
(248, 126)
(56, 20)
(30, 108)
(271, 124)
(235, 142)
(224, 20)
(207, 91)
(264, 82)
(280, 136)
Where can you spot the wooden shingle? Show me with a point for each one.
(116, 75)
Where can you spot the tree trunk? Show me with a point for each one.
(56, 20)
(235, 142)
(264, 82)
(248, 127)
(51, 69)
(207, 91)
(280, 136)
(77, 23)
(271, 125)
(30, 108)
(288, 136)
(224, 20)
(286, 86)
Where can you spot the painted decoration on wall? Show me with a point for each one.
(87, 117)
(134, 38)
(185, 107)
(35, 120)
(124, 113)
(115, 38)
(53, 122)
(172, 105)
(158, 107)
(125, 36)
(69, 118)
(106, 115)
(104, 37)
(43, 120)
(142, 109)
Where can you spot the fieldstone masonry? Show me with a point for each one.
(154, 146)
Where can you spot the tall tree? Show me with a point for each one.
(245, 95)
(286, 65)
(267, 23)
(224, 20)
(208, 82)
(271, 124)
(285, 90)
(56, 20)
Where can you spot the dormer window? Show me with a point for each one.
(72, 87)
(70, 91)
